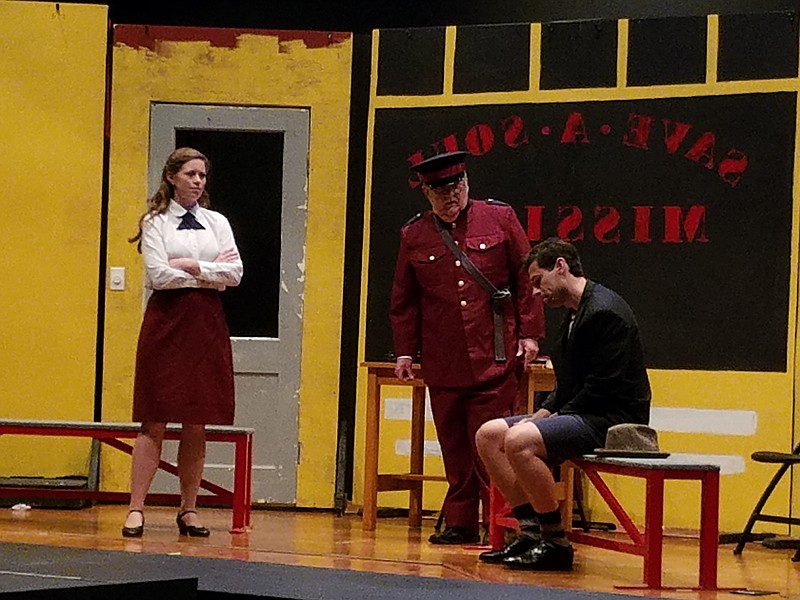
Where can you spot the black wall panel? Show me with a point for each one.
(492, 59)
(411, 62)
(682, 205)
(667, 51)
(757, 46)
(581, 54)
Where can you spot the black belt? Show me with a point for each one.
(499, 297)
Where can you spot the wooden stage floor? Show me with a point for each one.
(325, 540)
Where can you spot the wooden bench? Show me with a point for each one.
(649, 543)
(111, 435)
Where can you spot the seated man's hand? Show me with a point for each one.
(542, 413)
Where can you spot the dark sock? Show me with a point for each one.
(527, 519)
(552, 530)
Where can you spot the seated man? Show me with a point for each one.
(601, 381)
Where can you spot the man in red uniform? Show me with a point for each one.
(471, 335)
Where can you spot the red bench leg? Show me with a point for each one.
(709, 530)
(248, 489)
(653, 530)
(497, 506)
(242, 485)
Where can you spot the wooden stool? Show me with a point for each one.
(379, 374)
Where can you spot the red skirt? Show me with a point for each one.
(184, 365)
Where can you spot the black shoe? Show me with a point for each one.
(190, 530)
(544, 556)
(134, 532)
(519, 546)
(454, 536)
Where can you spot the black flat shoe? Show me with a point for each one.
(544, 556)
(519, 546)
(454, 536)
(190, 530)
(134, 532)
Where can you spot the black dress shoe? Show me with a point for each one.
(544, 556)
(134, 532)
(519, 546)
(190, 530)
(455, 536)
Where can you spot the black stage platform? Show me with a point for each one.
(29, 571)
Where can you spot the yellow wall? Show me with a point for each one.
(260, 69)
(770, 395)
(52, 87)
(52, 61)
(723, 390)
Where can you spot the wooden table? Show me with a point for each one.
(537, 378)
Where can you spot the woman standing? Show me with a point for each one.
(184, 366)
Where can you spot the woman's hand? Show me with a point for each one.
(189, 265)
(227, 256)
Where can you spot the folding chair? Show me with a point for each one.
(786, 460)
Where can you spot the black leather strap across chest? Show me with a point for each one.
(499, 297)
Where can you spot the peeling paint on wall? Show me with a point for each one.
(288, 70)
(150, 37)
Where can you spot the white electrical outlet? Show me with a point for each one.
(116, 278)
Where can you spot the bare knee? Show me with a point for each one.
(524, 442)
(153, 431)
(491, 434)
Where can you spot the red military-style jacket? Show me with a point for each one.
(437, 308)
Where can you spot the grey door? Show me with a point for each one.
(258, 180)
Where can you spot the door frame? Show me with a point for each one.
(250, 354)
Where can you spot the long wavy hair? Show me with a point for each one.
(159, 202)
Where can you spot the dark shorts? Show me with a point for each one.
(565, 436)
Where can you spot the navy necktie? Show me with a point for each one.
(188, 221)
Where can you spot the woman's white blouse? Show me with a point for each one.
(162, 241)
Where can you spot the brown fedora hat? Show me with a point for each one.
(631, 440)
